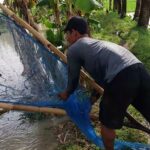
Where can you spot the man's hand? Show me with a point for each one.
(64, 95)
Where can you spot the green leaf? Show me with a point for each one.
(49, 24)
(86, 6)
(49, 3)
(58, 38)
(42, 3)
(50, 36)
(93, 21)
(97, 4)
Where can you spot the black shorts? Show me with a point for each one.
(130, 86)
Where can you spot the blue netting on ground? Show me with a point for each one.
(31, 75)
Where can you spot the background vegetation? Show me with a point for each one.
(105, 24)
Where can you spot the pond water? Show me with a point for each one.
(20, 134)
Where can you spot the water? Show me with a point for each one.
(19, 134)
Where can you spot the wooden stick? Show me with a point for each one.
(51, 48)
(56, 111)
(135, 124)
(49, 45)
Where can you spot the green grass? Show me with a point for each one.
(141, 46)
(130, 5)
(111, 25)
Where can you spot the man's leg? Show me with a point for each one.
(142, 101)
(108, 136)
(118, 95)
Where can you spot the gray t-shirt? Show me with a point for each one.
(101, 59)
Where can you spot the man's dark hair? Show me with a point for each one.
(77, 23)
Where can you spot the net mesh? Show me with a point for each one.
(31, 75)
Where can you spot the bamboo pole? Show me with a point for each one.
(52, 48)
(56, 111)
(49, 45)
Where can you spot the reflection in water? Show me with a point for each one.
(18, 135)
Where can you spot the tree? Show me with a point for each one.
(115, 5)
(144, 13)
(123, 8)
(57, 12)
(120, 6)
(137, 10)
(110, 4)
(22, 8)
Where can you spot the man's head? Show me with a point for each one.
(76, 28)
(77, 23)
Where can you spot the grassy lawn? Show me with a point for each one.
(130, 5)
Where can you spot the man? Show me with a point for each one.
(117, 70)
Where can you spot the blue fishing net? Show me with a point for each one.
(32, 75)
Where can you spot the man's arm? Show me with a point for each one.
(74, 66)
